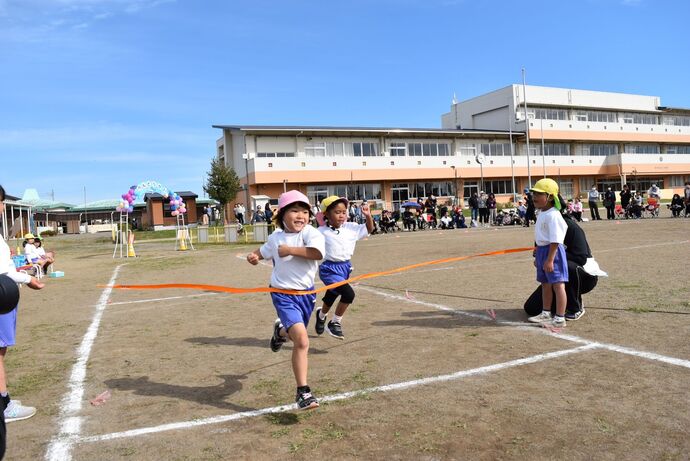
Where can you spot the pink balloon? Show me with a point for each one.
(175, 213)
(183, 210)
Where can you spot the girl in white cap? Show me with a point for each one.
(296, 249)
(341, 238)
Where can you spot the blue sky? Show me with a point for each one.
(104, 94)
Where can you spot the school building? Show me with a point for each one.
(500, 142)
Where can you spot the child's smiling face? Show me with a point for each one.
(337, 215)
(296, 217)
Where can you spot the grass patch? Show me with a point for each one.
(39, 377)
(639, 310)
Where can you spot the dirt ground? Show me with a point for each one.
(203, 355)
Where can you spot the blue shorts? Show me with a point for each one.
(560, 265)
(334, 272)
(8, 328)
(292, 309)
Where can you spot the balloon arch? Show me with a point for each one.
(126, 205)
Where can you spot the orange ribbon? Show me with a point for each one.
(224, 289)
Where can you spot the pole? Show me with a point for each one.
(86, 214)
(481, 173)
(246, 184)
(543, 161)
(285, 185)
(512, 162)
(524, 95)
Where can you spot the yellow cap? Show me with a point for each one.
(548, 186)
(328, 201)
(29, 236)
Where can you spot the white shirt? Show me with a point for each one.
(7, 265)
(31, 252)
(340, 243)
(293, 272)
(550, 227)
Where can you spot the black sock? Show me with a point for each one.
(5, 400)
(303, 389)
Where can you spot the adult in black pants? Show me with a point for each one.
(593, 198)
(610, 203)
(531, 210)
(579, 281)
(625, 199)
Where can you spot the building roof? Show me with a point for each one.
(100, 205)
(322, 130)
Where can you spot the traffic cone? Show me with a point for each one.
(130, 246)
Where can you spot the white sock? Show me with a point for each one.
(322, 316)
(337, 318)
(559, 317)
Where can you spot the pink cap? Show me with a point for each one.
(290, 197)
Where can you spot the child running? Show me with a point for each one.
(296, 249)
(551, 263)
(341, 237)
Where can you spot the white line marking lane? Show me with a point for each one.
(60, 447)
(342, 396)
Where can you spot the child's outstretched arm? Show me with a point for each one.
(254, 257)
(367, 214)
(302, 252)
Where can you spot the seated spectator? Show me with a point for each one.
(522, 210)
(258, 216)
(446, 222)
(30, 251)
(654, 192)
(636, 205)
(47, 256)
(676, 205)
(459, 218)
(409, 220)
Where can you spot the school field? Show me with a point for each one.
(424, 373)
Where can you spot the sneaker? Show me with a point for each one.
(558, 322)
(544, 317)
(15, 411)
(335, 330)
(320, 324)
(574, 315)
(277, 341)
(306, 401)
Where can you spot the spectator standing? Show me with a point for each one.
(625, 199)
(592, 199)
(473, 203)
(531, 210)
(610, 203)
(268, 213)
(483, 210)
(686, 192)
(491, 205)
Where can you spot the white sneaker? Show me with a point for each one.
(544, 317)
(15, 411)
(558, 322)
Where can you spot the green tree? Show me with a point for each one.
(222, 184)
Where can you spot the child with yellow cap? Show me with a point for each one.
(550, 259)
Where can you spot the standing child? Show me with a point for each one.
(341, 237)
(296, 249)
(551, 263)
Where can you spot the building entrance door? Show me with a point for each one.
(401, 194)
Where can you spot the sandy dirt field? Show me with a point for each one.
(462, 385)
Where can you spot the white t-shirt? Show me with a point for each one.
(340, 243)
(293, 272)
(31, 252)
(550, 227)
(7, 265)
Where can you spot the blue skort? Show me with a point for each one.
(292, 309)
(560, 265)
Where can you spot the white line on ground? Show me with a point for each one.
(60, 447)
(161, 299)
(535, 328)
(344, 395)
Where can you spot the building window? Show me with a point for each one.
(566, 189)
(427, 149)
(397, 149)
(599, 149)
(641, 119)
(495, 149)
(676, 120)
(596, 116)
(554, 149)
(368, 191)
(676, 181)
(315, 149)
(499, 187)
(425, 189)
(365, 149)
(641, 148)
(547, 114)
(274, 154)
(643, 184)
(678, 149)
